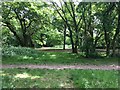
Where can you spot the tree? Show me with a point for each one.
(68, 14)
(19, 17)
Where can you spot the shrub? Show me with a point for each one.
(95, 55)
(12, 51)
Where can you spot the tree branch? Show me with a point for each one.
(11, 28)
(22, 27)
(29, 24)
(58, 11)
(109, 9)
(68, 9)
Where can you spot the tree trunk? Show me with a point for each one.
(71, 38)
(108, 50)
(25, 40)
(107, 45)
(113, 44)
(30, 42)
(116, 33)
(76, 39)
(64, 37)
(106, 36)
(92, 48)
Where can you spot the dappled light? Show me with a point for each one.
(53, 55)
(26, 75)
(26, 57)
(3, 74)
(43, 55)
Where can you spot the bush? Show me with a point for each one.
(95, 55)
(12, 51)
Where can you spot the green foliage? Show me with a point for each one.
(95, 55)
(18, 51)
(8, 39)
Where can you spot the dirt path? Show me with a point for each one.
(93, 67)
(54, 50)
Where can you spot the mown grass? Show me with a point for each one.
(31, 56)
(29, 78)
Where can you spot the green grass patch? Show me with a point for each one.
(17, 55)
(37, 78)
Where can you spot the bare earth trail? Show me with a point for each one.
(57, 67)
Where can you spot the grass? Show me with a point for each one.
(56, 58)
(31, 56)
(29, 78)
(67, 78)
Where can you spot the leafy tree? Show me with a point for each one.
(19, 18)
(68, 13)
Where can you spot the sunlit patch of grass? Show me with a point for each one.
(26, 57)
(26, 75)
(29, 78)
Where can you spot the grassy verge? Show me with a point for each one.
(28, 78)
(20, 55)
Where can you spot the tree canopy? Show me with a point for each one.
(85, 25)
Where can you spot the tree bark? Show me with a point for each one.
(92, 48)
(64, 37)
(76, 29)
(116, 33)
(71, 38)
(106, 36)
(86, 45)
